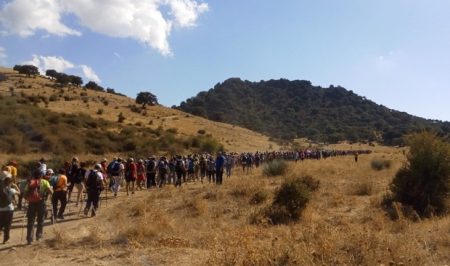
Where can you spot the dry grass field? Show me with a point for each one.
(73, 99)
(205, 224)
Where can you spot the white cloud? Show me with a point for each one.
(25, 17)
(60, 64)
(142, 20)
(116, 54)
(90, 74)
(3, 56)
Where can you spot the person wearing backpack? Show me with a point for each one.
(140, 174)
(78, 180)
(179, 166)
(130, 175)
(162, 171)
(151, 172)
(36, 191)
(220, 163)
(116, 171)
(7, 192)
(94, 187)
(59, 194)
(72, 172)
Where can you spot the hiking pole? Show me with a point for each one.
(83, 196)
(23, 220)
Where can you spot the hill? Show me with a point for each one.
(297, 109)
(39, 115)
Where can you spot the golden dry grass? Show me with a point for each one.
(204, 224)
(233, 138)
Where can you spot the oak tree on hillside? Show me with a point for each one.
(145, 97)
(27, 69)
(91, 85)
(51, 73)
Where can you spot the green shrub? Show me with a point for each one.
(380, 164)
(289, 202)
(275, 168)
(424, 182)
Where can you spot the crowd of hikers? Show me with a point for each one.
(90, 180)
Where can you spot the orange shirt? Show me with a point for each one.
(62, 183)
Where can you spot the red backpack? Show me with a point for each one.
(34, 187)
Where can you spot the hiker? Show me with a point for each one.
(42, 166)
(94, 187)
(179, 168)
(229, 164)
(196, 168)
(190, 168)
(78, 181)
(220, 162)
(36, 192)
(162, 171)
(140, 174)
(71, 171)
(12, 169)
(59, 184)
(172, 175)
(211, 167)
(202, 164)
(7, 191)
(116, 171)
(151, 172)
(130, 175)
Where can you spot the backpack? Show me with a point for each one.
(191, 165)
(34, 194)
(54, 181)
(5, 199)
(162, 167)
(151, 166)
(78, 178)
(92, 182)
(114, 168)
(179, 166)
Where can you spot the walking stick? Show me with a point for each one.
(23, 221)
(83, 196)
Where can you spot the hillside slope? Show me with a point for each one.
(296, 109)
(71, 100)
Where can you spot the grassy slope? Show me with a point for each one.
(232, 137)
(201, 224)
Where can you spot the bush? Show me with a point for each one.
(362, 189)
(311, 183)
(424, 182)
(100, 111)
(380, 164)
(275, 168)
(289, 202)
(201, 131)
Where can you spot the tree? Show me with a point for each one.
(27, 69)
(93, 86)
(51, 73)
(75, 80)
(145, 98)
(62, 78)
(424, 182)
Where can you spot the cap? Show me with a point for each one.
(4, 175)
(49, 171)
(98, 166)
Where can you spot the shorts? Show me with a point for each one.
(129, 179)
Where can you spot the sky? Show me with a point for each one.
(394, 52)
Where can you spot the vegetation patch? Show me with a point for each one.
(275, 168)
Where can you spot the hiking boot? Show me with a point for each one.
(86, 211)
(92, 213)
(29, 241)
(61, 217)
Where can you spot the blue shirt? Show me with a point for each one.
(220, 161)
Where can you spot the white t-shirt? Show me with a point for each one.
(11, 192)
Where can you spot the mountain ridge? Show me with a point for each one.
(297, 109)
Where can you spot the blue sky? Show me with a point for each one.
(394, 52)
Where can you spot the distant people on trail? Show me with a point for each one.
(203, 166)
(7, 192)
(59, 184)
(94, 187)
(36, 192)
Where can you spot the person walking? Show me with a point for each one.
(7, 192)
(130, 175)
(151, 172)
(220, 163)
(94, 186)
(36, 192)
(162, 171)
(59, 184)
(140, 175)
